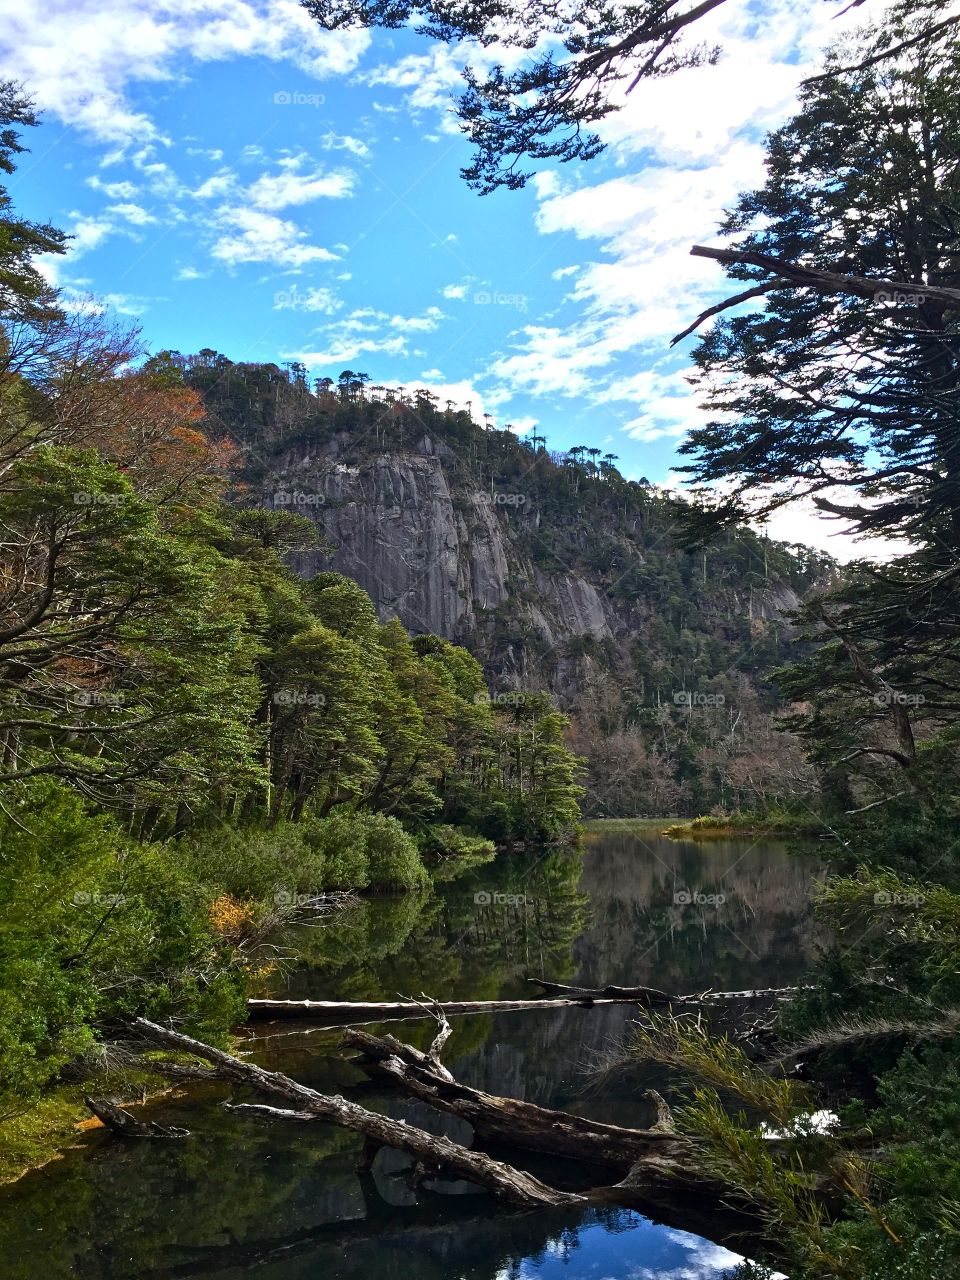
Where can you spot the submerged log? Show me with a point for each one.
(124, 1125)
(434, 1153)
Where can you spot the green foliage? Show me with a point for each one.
(392, 855)
(94, 929)
(24, 292)
(252, 863)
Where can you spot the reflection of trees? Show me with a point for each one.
(127, 1207)
(762, 935)
(215, 1205)
(239, 1193)
(444, 942)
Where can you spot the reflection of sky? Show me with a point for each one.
(643, 1251)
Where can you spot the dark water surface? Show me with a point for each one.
(245, 1197)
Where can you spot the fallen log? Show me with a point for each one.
(432, 1152)
(641, 995)
(523, 1124)
(662, 1170)
(656, 999)
(124, 1125)
(556, 995)
(395, 1010)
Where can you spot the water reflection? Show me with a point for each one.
(289, 1203)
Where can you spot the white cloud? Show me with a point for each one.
(520, 426)
(345, 142)
(250, 235)
(455, 291)
(690, 142)
(113, 190)
(134, 213)
(96, 304)
(277, 191)
(424, 324)
(216, 186)
(79, 58)
(460, 394)
(368, 331)
(431, 78)
(87, 233)
(801, 522)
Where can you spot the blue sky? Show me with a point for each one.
(236, 178)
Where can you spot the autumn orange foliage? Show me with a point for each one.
(230, 917)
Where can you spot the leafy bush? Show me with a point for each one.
(95, 930)
(364, 850)
(339, 840)
(392, 854)
(253, 863)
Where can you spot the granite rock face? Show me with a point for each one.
(457, 562)
(439, 561)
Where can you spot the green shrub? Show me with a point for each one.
(339, 839)
(364, 850)
(392, 854)
(94, 930)
(250, 863)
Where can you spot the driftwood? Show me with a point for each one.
(654, 1170)
(124, 1125)
(341, 1011)
(658, 1169)
(556, 996)
(653, 998)
(432, 1153)
(509, 1121)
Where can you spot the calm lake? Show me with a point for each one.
(286, 1202)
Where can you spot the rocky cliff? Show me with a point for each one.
(555, 570)
(451, 559)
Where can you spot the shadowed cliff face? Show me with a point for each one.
(452, 560)
(439, 561)
(565, 580)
